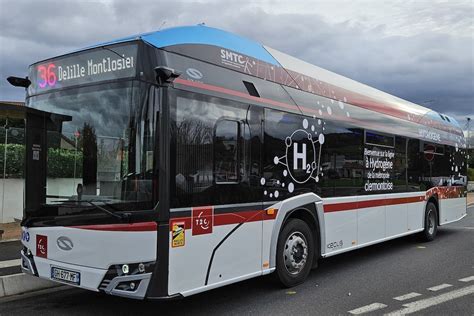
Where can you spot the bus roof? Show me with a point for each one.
(334, 86)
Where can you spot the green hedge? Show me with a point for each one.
(60, 162)
(470, 174)
(15, 160)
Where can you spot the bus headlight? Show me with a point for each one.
(125, 269)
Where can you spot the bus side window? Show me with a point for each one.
(414, 166)
(342, 161)
(226, 151)
(435, 164)
(400, 175)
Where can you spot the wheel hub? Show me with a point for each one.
(295, 253)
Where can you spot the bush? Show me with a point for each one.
(15, 160)
(60, 162)
(470, 174)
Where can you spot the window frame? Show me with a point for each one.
(238, 150)
(381, 134)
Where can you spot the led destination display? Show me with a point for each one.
(88, 67)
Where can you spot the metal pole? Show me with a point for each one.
(4, 168)
(469, 133)
(470, 148)
(75, 157)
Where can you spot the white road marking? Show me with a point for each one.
(10, 263)
(417, 306)
(462, 227)
(367, 308)
(439, 287)
(468, 279)
(406, 296)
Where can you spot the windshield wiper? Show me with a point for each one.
(103, 209)
(124, 216)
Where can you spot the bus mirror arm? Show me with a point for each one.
(166, 75)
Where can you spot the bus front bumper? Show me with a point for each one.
(112, 281)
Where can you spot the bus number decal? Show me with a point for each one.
(335, 245)
(47, 74)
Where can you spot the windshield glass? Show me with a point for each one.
(105, 154)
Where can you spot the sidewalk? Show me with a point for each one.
(10, 231)
(10, 257)
(12, 280)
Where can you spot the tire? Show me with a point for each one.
(292, 267)
(431, 223)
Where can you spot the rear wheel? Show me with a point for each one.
(295, 253)
(431, 222)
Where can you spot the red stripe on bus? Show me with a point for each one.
(336, 207)
(134, 227)
(230, 218)
(237, 218)
(445, 192)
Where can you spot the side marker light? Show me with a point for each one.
(271, 211)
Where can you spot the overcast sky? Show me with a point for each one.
(422, 51)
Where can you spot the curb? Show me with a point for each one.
(8, 240)
(21, 283)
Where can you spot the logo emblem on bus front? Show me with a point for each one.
(64, 243)
(194, 73)
(42, 246)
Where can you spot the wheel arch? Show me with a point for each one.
(307, 207)
(433, 199)
(308, 214)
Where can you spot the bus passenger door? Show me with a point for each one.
(238, 206)
(216, 197)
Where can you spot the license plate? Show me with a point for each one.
(65, 275)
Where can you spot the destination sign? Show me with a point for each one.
(89, 67)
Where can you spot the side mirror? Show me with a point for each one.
(166, 74)
(19, 82)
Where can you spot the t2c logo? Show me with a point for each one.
(202, 220)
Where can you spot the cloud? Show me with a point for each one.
(371, 44)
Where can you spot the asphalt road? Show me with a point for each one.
(9, 250)
(437, 272)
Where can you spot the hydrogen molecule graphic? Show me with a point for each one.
(302, 158)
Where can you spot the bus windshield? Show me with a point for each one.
(105, 154)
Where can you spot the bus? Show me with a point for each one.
(170, 163)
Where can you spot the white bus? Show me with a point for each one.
(174, 162)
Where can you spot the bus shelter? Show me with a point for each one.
(22, 136)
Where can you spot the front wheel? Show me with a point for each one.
(431, 223)
(295, 253)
